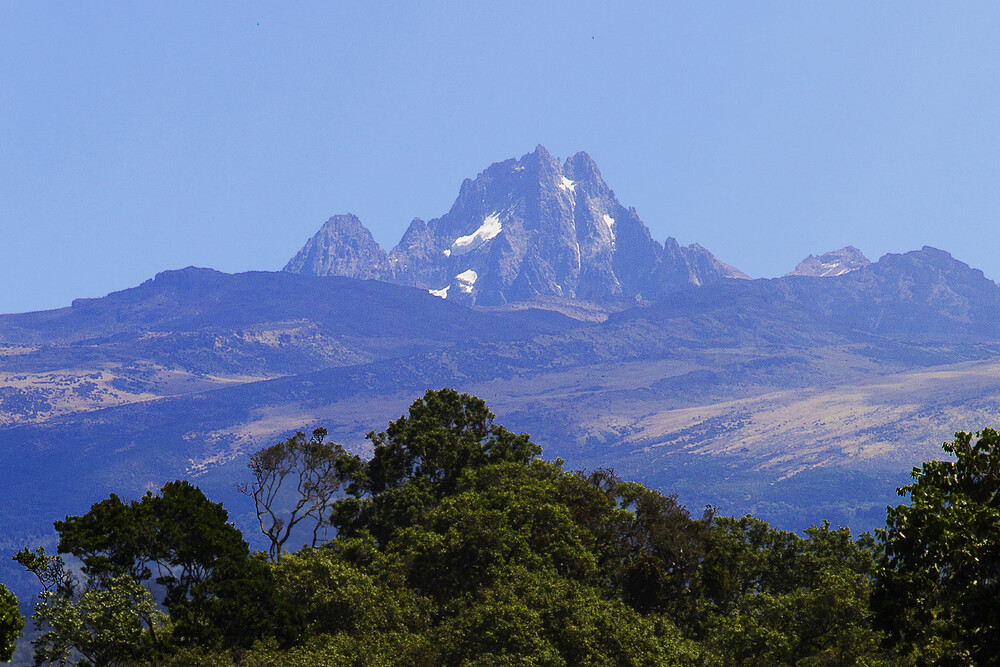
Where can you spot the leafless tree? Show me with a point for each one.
(308, 463)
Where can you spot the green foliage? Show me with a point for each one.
(112, 625)
(499, 516)
(419, 458)
(51, 571)
(940, 578)
(774, 598)
(330, 651)
(455, 545)
(331, 595)
(238, 605)
(11, 623)
(541, 618)
(180, 533)
(653, 547)
(444, 434)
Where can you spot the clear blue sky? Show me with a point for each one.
(154, 136)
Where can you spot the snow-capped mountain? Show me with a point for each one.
(526, 228)
(834, 263)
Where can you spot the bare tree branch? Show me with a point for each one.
(307, 463)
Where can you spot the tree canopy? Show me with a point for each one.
(11, 623)
(456, 544)
(939, 588)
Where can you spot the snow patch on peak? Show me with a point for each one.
(443, 292)
(833, 269)
(466, 279)
(446, 252)
(487, 232)
(610, 222)
(566, 185)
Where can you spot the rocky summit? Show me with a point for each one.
(523, 229)
(341, 247)
(834, 263)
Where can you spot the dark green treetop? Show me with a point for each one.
(179, 533)
(11, 623)
(939, 590)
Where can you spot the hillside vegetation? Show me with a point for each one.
(456, 544)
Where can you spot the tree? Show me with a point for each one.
(419, 459)
(444, 434)
(178, 538)
(51, 571)
(498, 515)
(774, 598)
(112, 620)
(112, 625)
(542, 618)
(308, 464)
(939, 582)
(456, 544)
(11, 623)
(179, 533)
(652, 546)
(333, 595)
(241, 605)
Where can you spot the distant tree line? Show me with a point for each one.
(455, 544)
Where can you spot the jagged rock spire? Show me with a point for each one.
(341, 247)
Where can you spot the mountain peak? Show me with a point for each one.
(931, 261)
(522, 229)
(833, 263)
(342, 247)
(932, 251)
(581, 167)
(540, 160)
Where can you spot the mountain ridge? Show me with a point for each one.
(796, 398)
(595, 392)
(523, 229)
